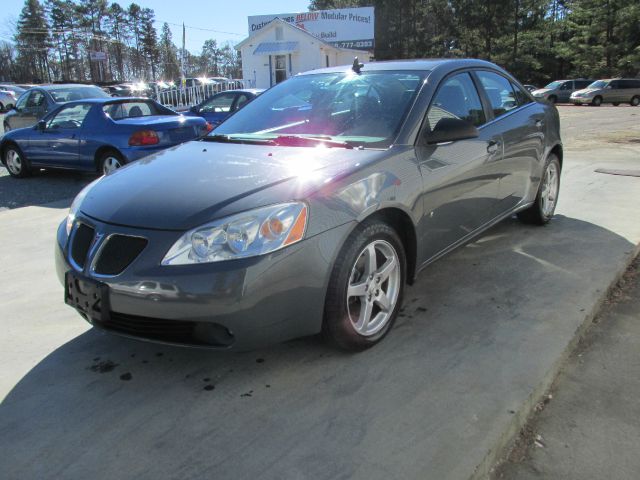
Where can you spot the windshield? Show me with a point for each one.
(69, 94)
(554, 85)
(364, 109)
(599, 84)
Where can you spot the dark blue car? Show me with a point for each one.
(219, 106)
(97, 135)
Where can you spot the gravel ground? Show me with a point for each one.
(580, 126)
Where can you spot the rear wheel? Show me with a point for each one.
(635, 101)
(546, 200)
(366, 287)
(110, 161)
(16, 163)
(596, 102)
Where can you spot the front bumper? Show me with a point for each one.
(251, 302)
(580, 100)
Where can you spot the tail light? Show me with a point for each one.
(144, 137)
(208, 127)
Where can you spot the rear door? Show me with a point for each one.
(58, 144)
(520, 121)
(462, 173)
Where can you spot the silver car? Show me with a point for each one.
(560, 91)
(311, 208)
(7, 100)
(614, 91)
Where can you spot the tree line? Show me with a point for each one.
(94, 41)
(537, 40)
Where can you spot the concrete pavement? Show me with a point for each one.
(591, 426)
(482, 336)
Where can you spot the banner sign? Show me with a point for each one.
(344, 27)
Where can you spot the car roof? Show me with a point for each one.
(415, 64)
(53, 86)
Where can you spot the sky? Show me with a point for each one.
(222, 20)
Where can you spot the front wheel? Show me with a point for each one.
(366, 287)
(635, 101)
(596, 102)
(546, 200)
(16, 163)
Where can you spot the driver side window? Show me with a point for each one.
(69, 117)
(22, 101)
(456, 97)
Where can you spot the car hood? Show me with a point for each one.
(586, 90)
(197, 182)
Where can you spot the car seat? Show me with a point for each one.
(135, 111)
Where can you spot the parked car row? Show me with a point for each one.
(309, 209)
(592, 92)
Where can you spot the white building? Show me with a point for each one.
(280, 50)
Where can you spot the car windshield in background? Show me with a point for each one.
(69, 94)
(598, 84)
(554, 85)
(364, 109)
(121, 110)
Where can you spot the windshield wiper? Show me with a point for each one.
(232, 139)
(305, 141)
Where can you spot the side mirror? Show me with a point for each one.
(41, 125)
(451, 130)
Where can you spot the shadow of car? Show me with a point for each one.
(97, 135)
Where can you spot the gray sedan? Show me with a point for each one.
(310, 210)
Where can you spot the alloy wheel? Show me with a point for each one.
(13, 162)
(110, 164)
(374, 286)
(549, 191)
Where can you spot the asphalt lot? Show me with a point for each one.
(482, 336)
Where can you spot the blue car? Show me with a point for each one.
(218, 107)
(97, 135)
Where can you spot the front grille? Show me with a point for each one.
(82, 239)
(117, 254)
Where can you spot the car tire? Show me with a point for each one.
(546, 200)
(615, 104)
(359, 281)
(110, 161)
(15, 161)
(553, 99)
(635, 101)
(597, 101)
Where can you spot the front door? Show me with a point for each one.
(29, 110)
(280, 68)
(463, 173)
(58, 143)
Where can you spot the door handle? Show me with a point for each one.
(492, 147)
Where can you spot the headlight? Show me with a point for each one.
(246, 234)
(75, 205)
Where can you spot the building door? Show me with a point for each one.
(280, 68)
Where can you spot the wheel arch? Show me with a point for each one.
(401, 222)
(557, 151)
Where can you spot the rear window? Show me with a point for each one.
(69, 94)
(134, 109)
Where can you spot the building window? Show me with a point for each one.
(281, 68)
(279, 33)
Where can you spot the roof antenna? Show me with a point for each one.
(357, 66)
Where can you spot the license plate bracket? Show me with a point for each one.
(89, 297)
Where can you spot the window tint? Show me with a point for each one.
(521, 95)
(614, 84)
(118, 111)
(567, 86)
(69, 117)
(456, 98)
(499, 92)
(630, 83)
(220, 103)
